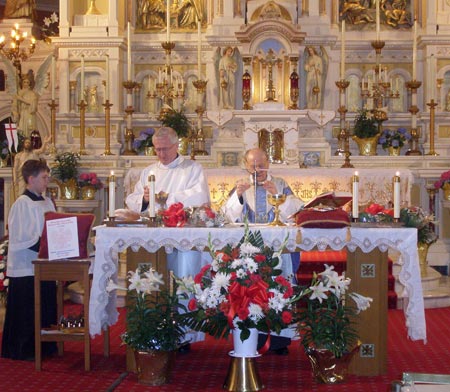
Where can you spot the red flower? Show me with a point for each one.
(374, 209)
(260, 258)
(286, 317)
(389, 211)
(210, 213)
(174, 216)
(192, 305)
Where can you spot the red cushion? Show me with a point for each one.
(329, 219)
(84, 223)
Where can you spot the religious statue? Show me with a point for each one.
(20, 9)
(92, 99)
(191, 11)
(21, 157)
(395, 12)
(25, 100)
(355, 13)
(151, 13)
(227, 69)
(315, 66)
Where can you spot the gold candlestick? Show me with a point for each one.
(432, 106)
(413, 85)
(129, 110)
(343, 137)
(52, 147)
(107, 106)
(82, 105)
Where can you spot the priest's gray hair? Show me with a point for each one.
(164, 132)
(254, 151)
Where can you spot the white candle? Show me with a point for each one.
(378, 19)
(129, 52)
(53, 77)
(112, 194)
(168, 21)
(82, 79)
(397, 195)
(343, 50)
(199, 50)
(355, 199)
(107, 79)
(151, 200)
(414, 59)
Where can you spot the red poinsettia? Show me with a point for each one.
(174, 216)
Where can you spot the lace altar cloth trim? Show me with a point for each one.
(112, 240)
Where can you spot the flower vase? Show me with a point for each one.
(4, 162)
(87, 192)
(394, 151)
(149, 151)
(446, 190)
(154, 367)
(183, 144)
(422, 250)
(246, 348)
(243, 373)
(68, 189)
(367, 146)
(326, 367)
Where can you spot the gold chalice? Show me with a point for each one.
(161, 199)
(276, 200)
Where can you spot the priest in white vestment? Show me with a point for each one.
(184, 182)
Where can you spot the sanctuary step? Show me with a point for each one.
(436, 289)
(314, 261)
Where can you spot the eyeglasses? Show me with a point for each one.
(164, 149)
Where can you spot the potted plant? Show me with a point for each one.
(177, 120)
(394, 140)
(143, 143)
(89, 183)
(444, 184)
(154, 327)
(326, 324)
(65, 172)
(365, 132)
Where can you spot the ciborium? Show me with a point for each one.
(161, 199)
(276, 200)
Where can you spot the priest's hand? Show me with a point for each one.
(241, 187)
(270, 187)
(146, 196)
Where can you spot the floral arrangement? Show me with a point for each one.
(153, 318)
(65, 166)
(327, 321)
(395, 138)
(144, 140)
(365, 125)
(443, 180)
(4, 281)
(86, 179)
(409, 216)
(177, 120)
(50, 27)
(178, 216)
(416, 217)
(242, 288)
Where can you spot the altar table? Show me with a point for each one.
(110, 241)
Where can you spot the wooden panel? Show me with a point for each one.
(369, 272)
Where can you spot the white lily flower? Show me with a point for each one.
(319, 292)
(362, 302)
(111, 285)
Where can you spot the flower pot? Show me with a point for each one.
(446, 190)
(246, 348)
(367, 146)
(326, 367)
(154, 367)
(422, 250)
(183, 144)
(149, 151)
(68, 189)
(394, 151)
(87, 192)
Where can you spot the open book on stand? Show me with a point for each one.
(329, 200)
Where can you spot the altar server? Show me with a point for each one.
(184, 181)
(25, 224)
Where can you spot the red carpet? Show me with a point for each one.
(205, 367)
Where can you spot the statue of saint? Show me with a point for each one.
(315, 69)
(21, 157)
(20, 9)
(25, 106)
(190, 11)
(228, 67)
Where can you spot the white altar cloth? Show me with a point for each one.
(112, 240)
